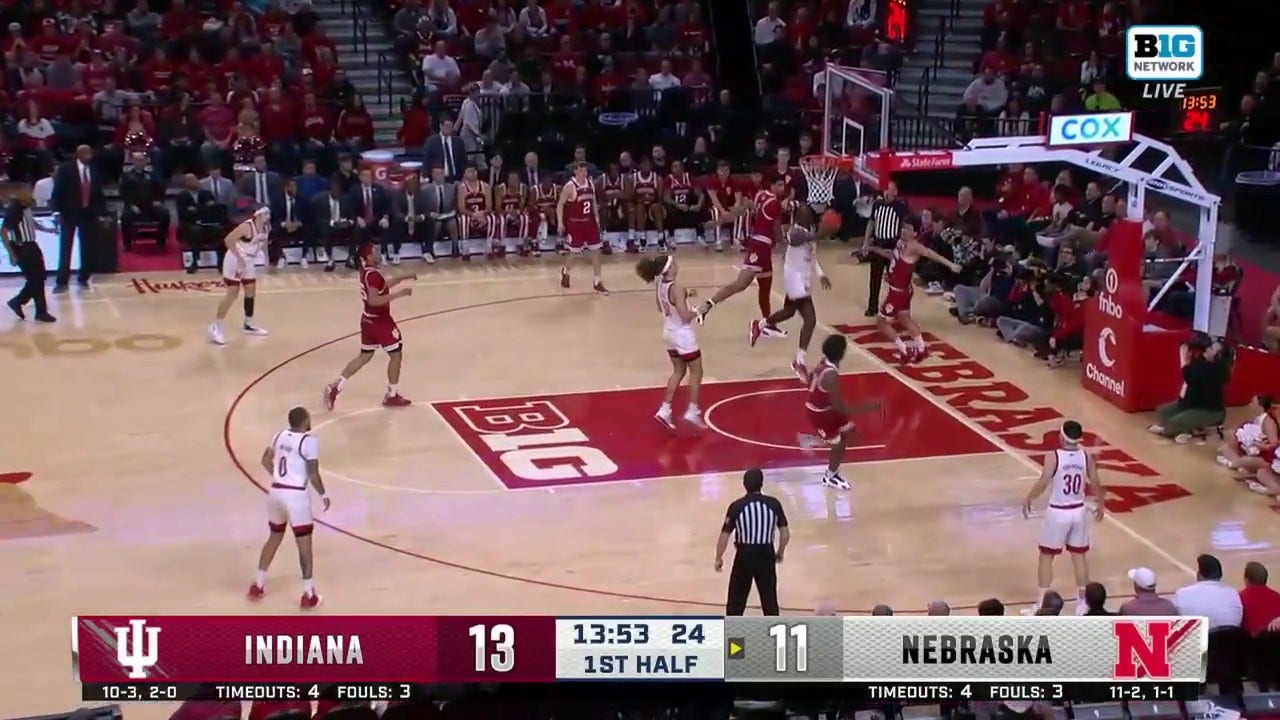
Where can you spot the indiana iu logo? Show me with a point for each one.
(140, 653)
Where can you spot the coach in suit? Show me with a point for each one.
(79, 202)
(142, 195)
(291, 224)
(409, 218)
(199, 221)
(372, 209)
(447, 151)
(442, 208)
(335, 221)
(223, 190)
(264, 186)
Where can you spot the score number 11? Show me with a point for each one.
(783, 638)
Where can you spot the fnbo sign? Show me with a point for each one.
(1097, 129)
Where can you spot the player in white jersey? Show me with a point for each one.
(799, 265)
(678, 334)
(1068, 472)
(244, 243)
(293, 461)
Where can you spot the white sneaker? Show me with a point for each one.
(719, 245)
(693, 416)
(664, 417)
(772, 332)
(1082, 607)
(1184, 438)
(322, 256)
(281, 264)
(934, 288)
(215, 335)
(1225, 462)
(428, 258)
(835, 481)
(255, 331)
(302, 263)
(1155, 429)
(1255, 486)
(1028, 611)
(395, 259)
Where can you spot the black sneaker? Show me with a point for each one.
(870, 313)
(59, 289)
(46, 318)
(17, 309)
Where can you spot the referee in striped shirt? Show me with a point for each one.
(752, 521)
(887, 213)
(19, 233)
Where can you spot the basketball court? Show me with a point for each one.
(529, 476)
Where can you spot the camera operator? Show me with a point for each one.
(986, 300)
(1027, 319)
(1202, 403)
(1067, 294)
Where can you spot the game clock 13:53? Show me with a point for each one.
(637, 632)
(1198, 111)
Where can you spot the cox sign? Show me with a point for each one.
(1096, 129)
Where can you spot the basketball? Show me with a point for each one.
(830, 223)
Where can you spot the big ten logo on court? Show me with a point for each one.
(47, 345)
(1164, 53)
(144, 286)
(1007, 412)
(1095, 129)
(535, 440)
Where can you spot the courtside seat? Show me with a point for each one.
(147, 232)
(1264, 667)
(1229, 650)
(1262, 706)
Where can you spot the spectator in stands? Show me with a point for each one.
(938, 608)
(1026, 319)
(1051, 605)
(664, 79)
(335, 224)
(471, 121)
(1202, 403)
(489, 41)
(439, 70)
(142, 197)
(1260, 605)
(1101, 99)
(316, 124)
(988, 91)
(1092, 70)
(771, 28)
(1067, 295)
(1095, 599)
(971, 121)
(353, 132)
(1145, 599)
(219, 122)
(415, 126)
(36, 137)
(1209, 596)
(1271, 323)
(223, 190)
(1013, 120)
(405, 25)
(990, 607)
(1061, 214)
(1036, 90)
(291, 225)
(143, 23)
(862, 15)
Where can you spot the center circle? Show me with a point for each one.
(751, 419)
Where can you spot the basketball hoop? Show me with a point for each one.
(820, 175)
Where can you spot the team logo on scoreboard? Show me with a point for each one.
(137, 648)
(1144, 649)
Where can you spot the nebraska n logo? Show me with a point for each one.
(140, 654)
(1143, 648)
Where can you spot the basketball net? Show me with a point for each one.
(820, 175)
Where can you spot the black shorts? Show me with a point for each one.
(678, 219)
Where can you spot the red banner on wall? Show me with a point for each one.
(317, 648)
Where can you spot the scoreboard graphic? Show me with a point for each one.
(384, 657)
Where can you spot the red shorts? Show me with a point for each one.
(582, 235)
(896, 302)
(477, 228)
(379, 331)
(829, 425)
(759, 255)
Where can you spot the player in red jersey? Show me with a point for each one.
(895, 311)
(766, 228)
(828, 412)
(377, 328)
(646, 206)
(511, 199)
(579, 214)
(782, 170)
(543, 223)
(478, 219)
(728, 208)
(683, 201)
(612, 192)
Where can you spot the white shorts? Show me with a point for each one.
(289, 508)
(797, 286)
(682, 343)
(1065, 528)
(236, 273)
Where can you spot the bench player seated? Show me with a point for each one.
(646, 206)
(478, 220)
(683, 200)
(543, 223)
(611, 191)
(511, 200)
(728, 209)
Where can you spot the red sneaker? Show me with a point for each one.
(397, 400)
(310, 600)
(564, 279)
(599, 287)
(918, 355)
(753, 335)
(330, 396)
(256, 592)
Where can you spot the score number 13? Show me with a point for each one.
(501, 639)
(784, 640)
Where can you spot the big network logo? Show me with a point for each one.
(1164, 53)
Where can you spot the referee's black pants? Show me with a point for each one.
(878, 265)
(758, 564)
(31, 263)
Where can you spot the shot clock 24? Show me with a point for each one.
(614, 648)
(1198, 111)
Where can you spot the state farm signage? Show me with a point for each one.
(923, 160)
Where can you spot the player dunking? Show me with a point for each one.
(799, 265)
(1069, 471)
(293, 462)
(679, 335)
(828, 412)
(579, 214)
(766, 227)
(377, 329)
(895, 311)
(244, 242)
